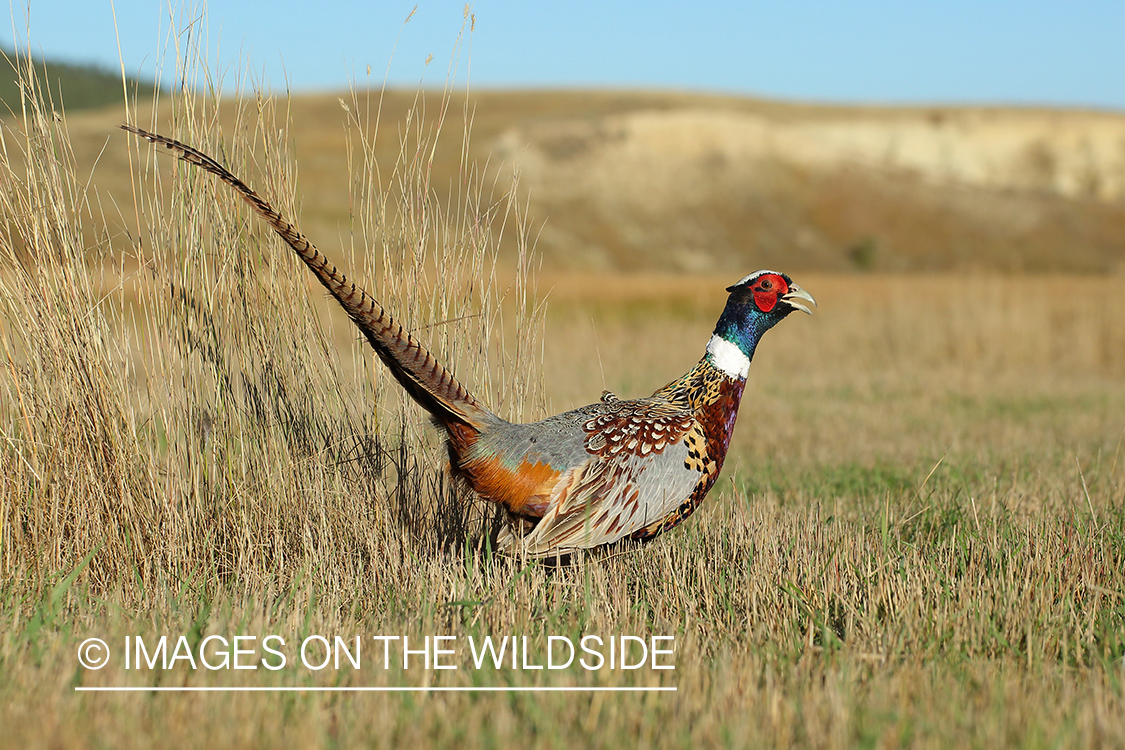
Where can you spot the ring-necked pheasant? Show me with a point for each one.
(592, 476)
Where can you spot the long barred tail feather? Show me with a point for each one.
(424, 378)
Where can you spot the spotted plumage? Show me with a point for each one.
(635, 427)
(616, 469)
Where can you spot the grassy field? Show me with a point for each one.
(919, 538)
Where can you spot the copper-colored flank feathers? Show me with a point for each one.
(612, 470)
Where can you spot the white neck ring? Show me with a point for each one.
(728, 357)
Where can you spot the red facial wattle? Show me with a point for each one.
(767, 289)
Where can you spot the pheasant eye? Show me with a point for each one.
(765, 286)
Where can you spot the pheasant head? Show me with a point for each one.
(756, 304)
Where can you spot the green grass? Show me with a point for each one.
(791, 628)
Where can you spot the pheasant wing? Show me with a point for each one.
(641, 464)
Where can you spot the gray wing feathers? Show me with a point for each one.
(558, 442)
(603, 500)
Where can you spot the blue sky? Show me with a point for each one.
(904, 51)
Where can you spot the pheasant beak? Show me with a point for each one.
(797, 297)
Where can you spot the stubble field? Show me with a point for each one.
(918, 538)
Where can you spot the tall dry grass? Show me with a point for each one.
(174, 398)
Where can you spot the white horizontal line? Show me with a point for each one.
(435, 689)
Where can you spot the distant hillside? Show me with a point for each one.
(710, 185)
(650, 181)
(75, 87)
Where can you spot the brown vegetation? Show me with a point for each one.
(621, 181)
(919, 540)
